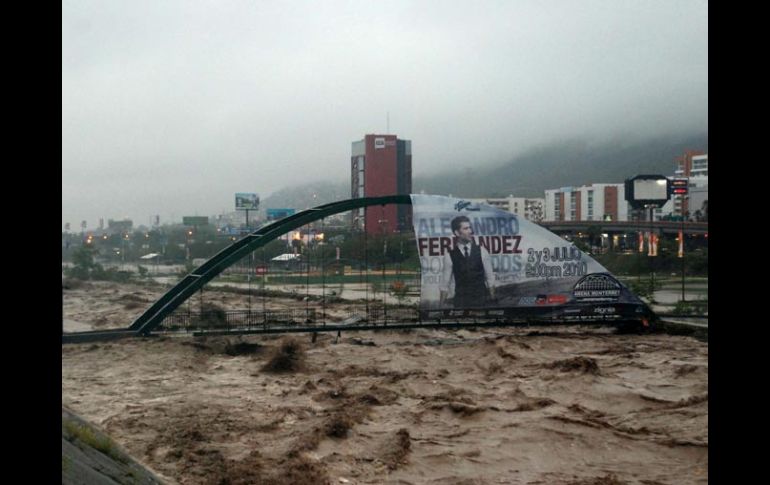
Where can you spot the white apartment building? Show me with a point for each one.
(532, 209)
(595, 202)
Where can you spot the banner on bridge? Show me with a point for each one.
(479, 260)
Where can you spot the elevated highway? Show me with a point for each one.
(667, 227)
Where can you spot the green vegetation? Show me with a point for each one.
(667, 262)
(645, 289)
(142, 270)
(696, 307)
(80, 432)
(85, 268)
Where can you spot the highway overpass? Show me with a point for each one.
(667, 227)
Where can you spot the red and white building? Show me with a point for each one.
(381, 165)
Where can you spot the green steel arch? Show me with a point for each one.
(153, 316)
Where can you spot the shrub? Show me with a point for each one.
(399, 289)
(288, 357)
(83, 265)
(211, 316)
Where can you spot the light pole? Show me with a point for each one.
(188, 240)
(123, 253)
(652, 255)
(681, 242)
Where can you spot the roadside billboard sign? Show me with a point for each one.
(246, 201)
(195, 220)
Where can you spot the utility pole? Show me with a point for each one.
(681, 243)
(652, 255)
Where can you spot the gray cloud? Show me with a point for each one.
(171, 107)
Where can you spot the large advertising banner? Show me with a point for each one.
(479, 260)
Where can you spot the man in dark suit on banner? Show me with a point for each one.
(468, 266)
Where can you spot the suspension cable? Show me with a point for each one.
(307, 281)
(248, 281)
(323, 276)
(366, 263)
(264, 287)
(384, 259)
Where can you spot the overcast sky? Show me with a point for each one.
(170, 107)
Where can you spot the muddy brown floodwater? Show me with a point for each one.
(558, 405)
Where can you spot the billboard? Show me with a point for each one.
(195, 220)
(276, 214)
(647, 190)
(120, 226)
(246, 201)
(651, 189)
(477, 260)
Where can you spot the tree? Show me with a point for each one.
(83, 265)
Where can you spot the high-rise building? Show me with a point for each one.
(695, 167)
(692, 164)
(381, 165)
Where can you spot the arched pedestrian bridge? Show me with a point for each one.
(162, 315)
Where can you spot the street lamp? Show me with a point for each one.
(123, 253)
(681, 243)
(188, 235)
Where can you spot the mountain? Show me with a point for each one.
(307, 195)
(566, 163)
(569, 163)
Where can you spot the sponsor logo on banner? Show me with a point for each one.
(597, 287)
(602, 310)
(557, 299)
(551, 299)
(464, 204)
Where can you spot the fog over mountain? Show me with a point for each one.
(567, 163)
(170, 108)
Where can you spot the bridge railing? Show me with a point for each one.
(373, 316)
(192, 321)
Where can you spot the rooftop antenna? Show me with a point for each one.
(387, 129)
